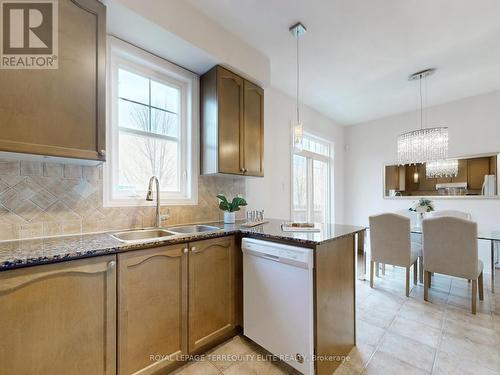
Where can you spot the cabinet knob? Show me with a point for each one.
(185, 250)
(111, 265)
(244, 170)
(193, 249)
(102, 152)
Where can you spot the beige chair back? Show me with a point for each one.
(450, 246)
(452, 213)
(390, 239)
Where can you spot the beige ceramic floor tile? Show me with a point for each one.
(422, 314)
(345, 370)
(359, 357)
(198, 368)
(238, 349)
(465, 316)
(467, 350)
(368, 333)
(379, 317)
(447, 364)
(417, 331)
(255, 368)
(386, 364)
(475, 333)
(408, 350)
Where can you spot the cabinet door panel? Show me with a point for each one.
(230, 100)
(212, 297)
(59, 319)
(478, 168)
(152, 308)
(60, 112)
(253, 130)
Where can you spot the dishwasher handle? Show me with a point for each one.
(276, 258)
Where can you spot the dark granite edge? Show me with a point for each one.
(114, 246)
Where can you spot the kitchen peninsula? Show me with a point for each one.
(78, 289)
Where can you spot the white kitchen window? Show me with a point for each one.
(152, 128)
(311, 181)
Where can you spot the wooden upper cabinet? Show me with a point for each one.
(61, 112)
(59, 319)
(477, 169)
(213, 311)
(462, 171)
(253, 130)
(232, 124)
(152, 309)
(230, 100)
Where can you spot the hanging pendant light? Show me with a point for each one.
(425, 144)
(297, 31)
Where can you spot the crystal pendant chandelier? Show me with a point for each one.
(441, 168)
(297, 31)
(424, 144)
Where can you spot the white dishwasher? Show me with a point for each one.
(278, 300)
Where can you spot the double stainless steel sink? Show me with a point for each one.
(141, 235)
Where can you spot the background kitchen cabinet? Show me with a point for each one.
(232, 124)
(61, 112)
(477, 169)
(59, 319)
(424, 183)
(152, 308)
(462, 171)
(213, 310)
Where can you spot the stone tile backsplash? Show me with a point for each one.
(47, 199)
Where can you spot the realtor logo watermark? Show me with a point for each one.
(29, 34)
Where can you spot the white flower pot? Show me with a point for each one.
(229, 217)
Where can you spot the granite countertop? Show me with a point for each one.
(23, 253)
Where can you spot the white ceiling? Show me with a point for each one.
(357, 54)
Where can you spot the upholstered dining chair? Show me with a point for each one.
(416, 240)
(452, 213)
(450, 248)
(390, 244)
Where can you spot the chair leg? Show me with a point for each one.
(481, 287)
(383, 269)
(430, 279)
(372, 266)
(407, 281)
(427, 278)
(377, 269)
(474, 295)
(415, 273)
(421, 269)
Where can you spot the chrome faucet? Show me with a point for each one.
(149, 197)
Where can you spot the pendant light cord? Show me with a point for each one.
(298, 113)
(421, 105)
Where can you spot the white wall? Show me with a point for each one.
(179, 32)
(474, 128)
(273, 191)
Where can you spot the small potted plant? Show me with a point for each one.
(421, 208)
(230, 208)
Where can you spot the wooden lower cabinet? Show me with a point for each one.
(213, 311)
(59, 319)
(152, 309)
(175, 300)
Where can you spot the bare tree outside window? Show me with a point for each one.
(148, 134)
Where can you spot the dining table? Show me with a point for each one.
(493, 236)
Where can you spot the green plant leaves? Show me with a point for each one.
(232, 206)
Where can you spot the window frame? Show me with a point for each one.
(138, 61)
(310, 157)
